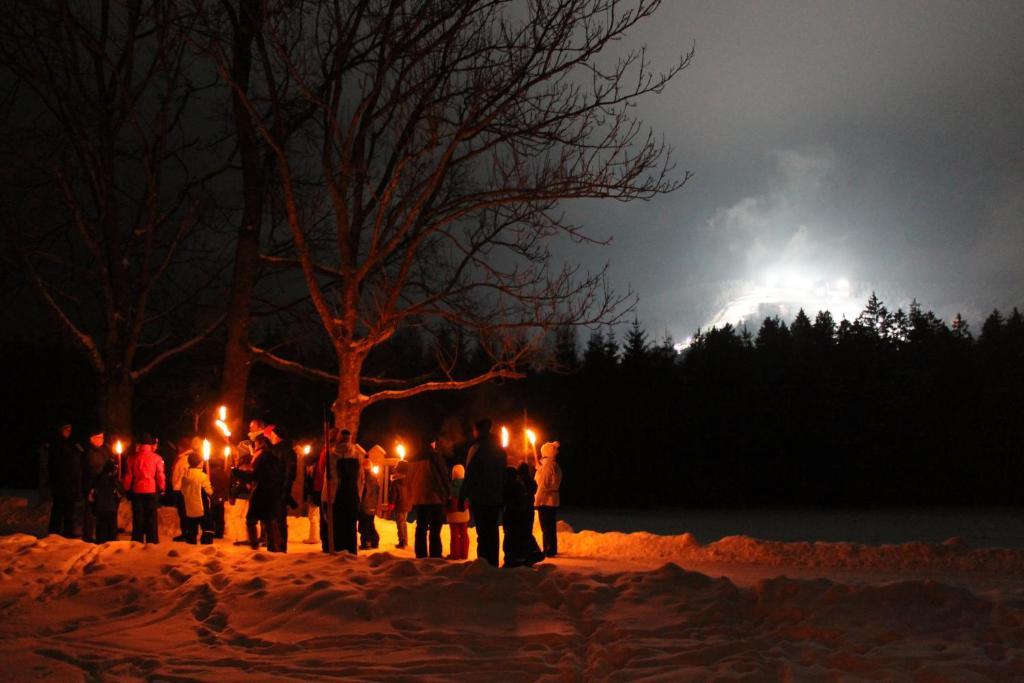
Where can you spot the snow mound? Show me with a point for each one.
(125, 610)
(952, 555)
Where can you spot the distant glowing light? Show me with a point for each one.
(783, 292)
(504, 436)
(375, 469)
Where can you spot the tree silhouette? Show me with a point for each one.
(444, 138)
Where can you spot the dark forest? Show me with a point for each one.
(893, 408)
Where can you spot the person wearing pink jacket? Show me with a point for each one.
(145, 483)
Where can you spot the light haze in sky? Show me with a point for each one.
(837, 148)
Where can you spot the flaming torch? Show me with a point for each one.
(119, 449)
(375, 469)
(222, 422)
(531, 438)
(306, 449)
(206, 450)
(227, 456)
(504, 436)
(400, 450)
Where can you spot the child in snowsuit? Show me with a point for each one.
(104, 497)
(457, 514)
(519, 545)
(400, 502)
(368, 536)
(195, 483)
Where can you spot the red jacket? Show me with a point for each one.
(145, 473)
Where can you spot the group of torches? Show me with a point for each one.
(529, 438)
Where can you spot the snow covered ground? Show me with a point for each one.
(616, 606)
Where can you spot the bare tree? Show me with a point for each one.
(245, 20)
(101, 203)
(425, 187)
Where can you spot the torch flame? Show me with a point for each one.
(504, 436)
(118, 447)
(531, 436)
(227, 452)
(376, 469)
(306, 449)
(400, 449)
(222, 426)
(206, 449)
(222, 412)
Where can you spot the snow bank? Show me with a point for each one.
(170, 611)
(952, 555)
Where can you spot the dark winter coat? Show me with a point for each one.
(519, 544)
(92, 464)
(220, 478)
(65, 469)
(349, 476)
(485, 473)
(267, 476)
(106, 489)
(289, 470)
(399, 494)
(371, 494)
(428, 478)
(309, 493)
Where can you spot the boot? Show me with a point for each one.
(254, 537)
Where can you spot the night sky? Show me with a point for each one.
(837, 148)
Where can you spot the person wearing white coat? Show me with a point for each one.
(194, 483)
(549, 480)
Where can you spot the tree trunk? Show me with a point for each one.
(348, 408)
(115, 406)
(237, 356)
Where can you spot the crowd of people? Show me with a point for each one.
(341, 488)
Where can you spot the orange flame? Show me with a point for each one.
(222, 426)
(206, 449)
(222, 412)
(531, 436)
(504, 436)
(306, 449)
(118, 447)
(400, 449)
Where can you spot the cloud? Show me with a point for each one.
(783, 227)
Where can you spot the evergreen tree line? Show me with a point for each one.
(890, 408)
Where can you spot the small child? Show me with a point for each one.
(368, 536)
(105, 496)
(458, 517)
(521, 549)
(400, 503)
(194, 484)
